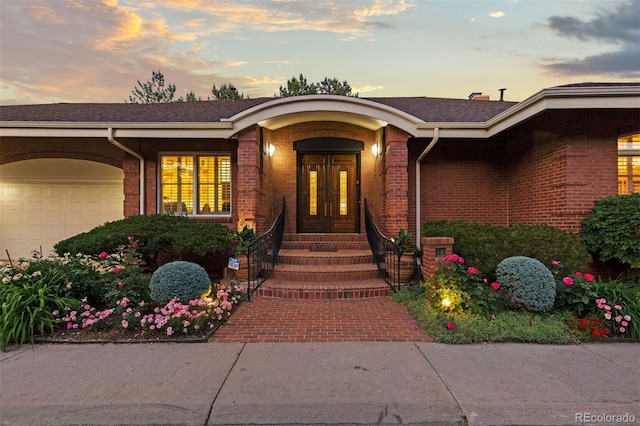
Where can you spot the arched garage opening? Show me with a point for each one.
(43, 201)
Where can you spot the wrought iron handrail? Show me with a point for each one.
(386, 254)
(262, 253)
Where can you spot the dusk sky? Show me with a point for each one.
(96, 50)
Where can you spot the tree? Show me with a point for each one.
(152, 92)
(191, 97)
(300, 86)
(334, 87)
(226, 91)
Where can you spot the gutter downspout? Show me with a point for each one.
(436, 136)
(110, 132)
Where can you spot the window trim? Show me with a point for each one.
(195, 155)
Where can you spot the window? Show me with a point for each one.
(629, 164)
(202, 181)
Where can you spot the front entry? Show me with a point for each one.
(328, 193)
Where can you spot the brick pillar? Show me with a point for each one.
(248, 177)
(396, 181)
(131, 169)
(434, 249)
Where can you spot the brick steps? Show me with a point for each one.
(304, 273)
(326, 290)
(324, 267)
(310, 257)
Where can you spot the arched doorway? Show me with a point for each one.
(328, 185)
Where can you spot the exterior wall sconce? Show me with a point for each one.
(272, 149)
(375, 149)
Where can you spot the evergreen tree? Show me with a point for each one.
(300, 86)
(226, 91)
(191, 97)
(152, 92)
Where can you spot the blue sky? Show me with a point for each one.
(95, 51)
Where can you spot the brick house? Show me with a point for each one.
(65, 168)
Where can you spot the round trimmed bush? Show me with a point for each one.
(184, 280)
(527, 283)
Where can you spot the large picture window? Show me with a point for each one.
(195, 184)
(629, 164)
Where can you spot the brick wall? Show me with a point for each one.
(99, 150)
(395, 213)
(561, 163)
(463, 180)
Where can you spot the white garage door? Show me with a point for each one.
(47, 200)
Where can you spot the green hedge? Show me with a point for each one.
(612, 231)
(484, 246)
(154, 233)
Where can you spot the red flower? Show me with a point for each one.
(588, 277)
(450, 325)
(495, 286)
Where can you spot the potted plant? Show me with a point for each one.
(401, 259)
(240, 243)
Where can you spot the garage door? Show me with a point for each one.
(47, 200)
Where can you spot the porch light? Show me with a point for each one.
(375, 149)
(272, 149)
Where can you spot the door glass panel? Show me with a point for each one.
(313, 193)
(343, 193)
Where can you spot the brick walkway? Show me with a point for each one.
(293, 320)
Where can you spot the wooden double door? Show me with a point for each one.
(328, 193)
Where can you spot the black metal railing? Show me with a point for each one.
(395, 266)
(262, 254)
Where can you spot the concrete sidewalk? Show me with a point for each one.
(321, 383)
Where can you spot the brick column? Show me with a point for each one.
(434, 249)
(248, 177)
(131, 169)
(396, 181)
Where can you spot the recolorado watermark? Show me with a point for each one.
(605, 418)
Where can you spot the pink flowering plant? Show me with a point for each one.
(458, 288)
(195, 317)
(574, 292)
(123, 274)
(614, 317)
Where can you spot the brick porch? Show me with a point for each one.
(325, 288)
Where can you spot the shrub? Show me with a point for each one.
(612, 231)
(131, 282)
(625, 295)
(154, 233)
(184, 280)
(458, 288)
(26, 306)
(527, 283)
(575, 293)
(73, 277)
(486, 245)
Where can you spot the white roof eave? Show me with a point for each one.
(124, 130)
